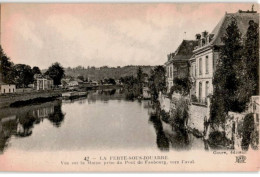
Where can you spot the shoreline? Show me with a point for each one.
(37, 97)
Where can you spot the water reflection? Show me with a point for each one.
(19, 122)
(102, 120)
(161, 140)
(170, 137)
(105, 95)
(57, 116)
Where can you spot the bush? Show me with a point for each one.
(180, 114)
(218, 140)
(248, 128)
(181, 85)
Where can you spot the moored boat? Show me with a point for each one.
(72, 95)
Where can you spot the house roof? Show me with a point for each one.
(184, 51)
(242, 19)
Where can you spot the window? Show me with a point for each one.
(172, 72)
(13, 89)
(207, 89)
(195, 70)
(207, 64)
(9, 90)
(4, 90)
(200, 91)
(200, 66)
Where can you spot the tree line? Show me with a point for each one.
(22, 75)
(156, 82)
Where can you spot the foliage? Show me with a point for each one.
(55, 72)
(180, 113)
(110, 81)
(98, 74)
(23, 75)
(157, 82)
(249, 71)
(225, 79)
(36, 70)
(6, 68)
(248, 128)
(181, 85)
(130, 87)
(81, 77)
(140, 79)
(218, 140)
(133, 85)
(237, 65)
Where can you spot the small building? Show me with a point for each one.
(43, 82)
(177, 65)
(7, 88)
(73, 83)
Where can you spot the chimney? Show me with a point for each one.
(198, 36)
(211, 37)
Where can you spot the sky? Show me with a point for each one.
(104, 34)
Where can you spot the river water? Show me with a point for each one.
(103, 120)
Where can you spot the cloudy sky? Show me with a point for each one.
(103, 34)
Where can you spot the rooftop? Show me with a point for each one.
(184, 51)
(242, 18)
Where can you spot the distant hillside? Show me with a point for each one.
(106, 72)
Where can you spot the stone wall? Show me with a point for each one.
(197, 114)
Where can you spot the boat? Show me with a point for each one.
(73, 95)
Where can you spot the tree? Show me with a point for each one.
(181, 85)
(112, 81)
(157, 82)
(81, 78)
(23, 75)
(6, 68)
(55, 72)
(249, 72)
(36, 70)
(225, 79)
(140, 79)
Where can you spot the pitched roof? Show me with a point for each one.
(184, 51)
(242, 19)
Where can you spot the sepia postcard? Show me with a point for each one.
(129, 87)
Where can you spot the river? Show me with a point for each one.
(103, 120)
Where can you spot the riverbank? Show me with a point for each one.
(101, 87)
(34, 97)
(19, 99)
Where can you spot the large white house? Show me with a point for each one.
(206, 54)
